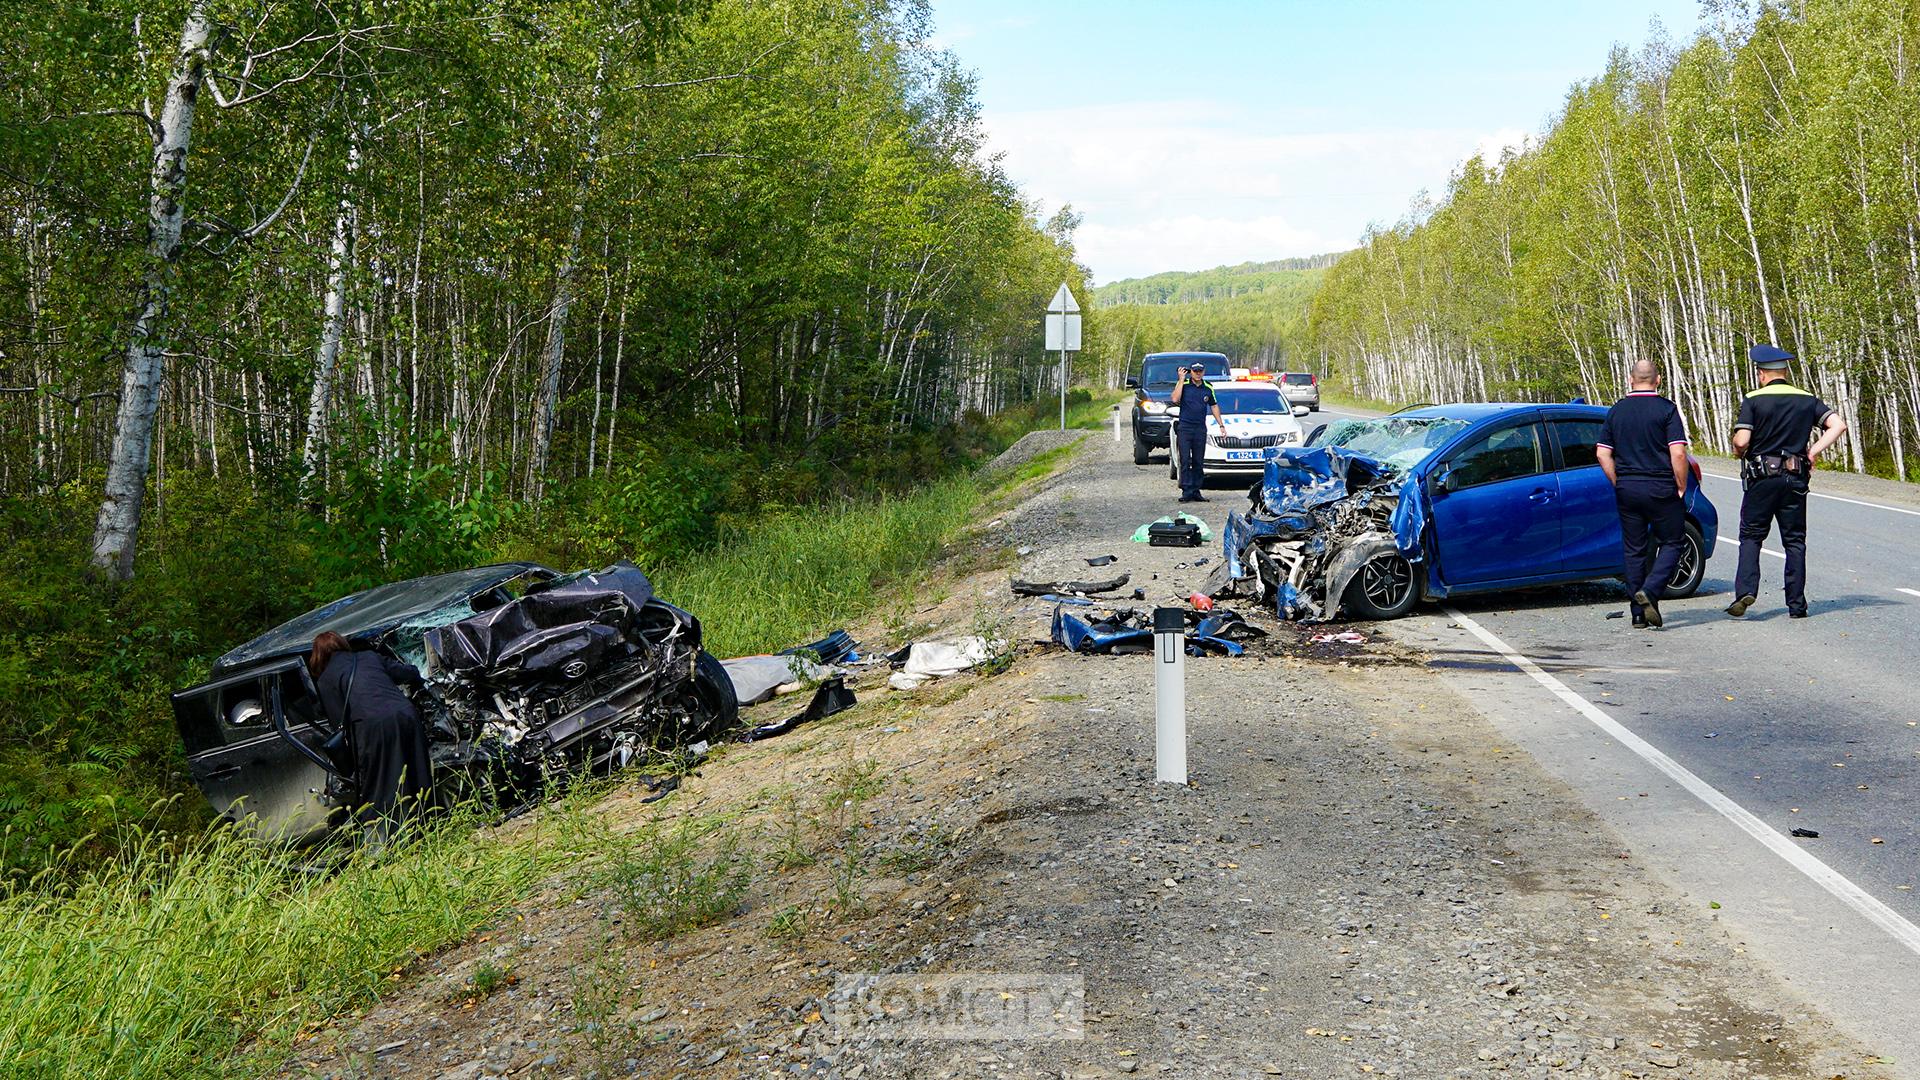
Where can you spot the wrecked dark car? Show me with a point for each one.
(1377, 514)
(529, 673)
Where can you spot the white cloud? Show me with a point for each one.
(1187, 184)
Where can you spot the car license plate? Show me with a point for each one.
(1243, 455)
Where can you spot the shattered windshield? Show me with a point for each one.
(1401, 441)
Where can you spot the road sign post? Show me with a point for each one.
(1063, 334)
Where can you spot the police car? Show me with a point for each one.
(1257, 418)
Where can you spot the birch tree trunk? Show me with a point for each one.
(119, 518)
(547, 406)
(333, 322)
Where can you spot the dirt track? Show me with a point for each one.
(1360, 879)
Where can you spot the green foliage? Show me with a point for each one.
(1753, 184)
(185, 952)
(1255, 313)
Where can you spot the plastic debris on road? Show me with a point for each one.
(1128, 630)
(829, 697)
(1346, 638)
(1143, 534)
(1042, 588)
(933, 659)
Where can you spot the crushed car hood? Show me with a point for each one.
(565, 628)
(1317, 514)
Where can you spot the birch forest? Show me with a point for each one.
(300, 297)
(1760, 183)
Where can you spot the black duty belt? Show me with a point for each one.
(1761, 466)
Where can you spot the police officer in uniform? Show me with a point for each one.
(1643, 448)
(1777, 420)
(1195, 399)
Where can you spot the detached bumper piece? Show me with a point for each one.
(1129, 630)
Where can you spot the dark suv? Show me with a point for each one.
(1152, 388)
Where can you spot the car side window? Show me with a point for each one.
(1577, 439)
(1499, 455)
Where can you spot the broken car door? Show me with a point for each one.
(1496, 510)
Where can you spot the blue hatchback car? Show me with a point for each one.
(1376, 514)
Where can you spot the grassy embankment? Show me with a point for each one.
(209, 955)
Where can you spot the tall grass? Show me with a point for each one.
(799, 574)
(206, 958)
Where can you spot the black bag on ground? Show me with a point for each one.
(1173, 534)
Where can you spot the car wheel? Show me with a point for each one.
(1141, 451)
(713, 708)
(1384, 588)
(1691, 571)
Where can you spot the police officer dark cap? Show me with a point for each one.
(1769, 357)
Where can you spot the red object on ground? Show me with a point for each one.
(1201, 602)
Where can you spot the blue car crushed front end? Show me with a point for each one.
(1319, 513)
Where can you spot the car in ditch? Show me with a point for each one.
(529, 673)
(1153, 396)
(1375, 515)
(1256, 418)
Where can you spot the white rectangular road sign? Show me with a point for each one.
(1063, 332)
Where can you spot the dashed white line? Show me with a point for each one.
(1909, 592)
(1768, 550)
(1836, 883)
(1835, 498)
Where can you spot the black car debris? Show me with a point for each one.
(529, 673)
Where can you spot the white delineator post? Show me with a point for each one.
(1170, 695)
(1116, 425)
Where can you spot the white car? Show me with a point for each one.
(1257, 418)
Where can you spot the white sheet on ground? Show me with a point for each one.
(759, 678)
(932, 659)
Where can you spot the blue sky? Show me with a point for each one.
(1200, 133)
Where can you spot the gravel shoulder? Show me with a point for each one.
(1360, 880)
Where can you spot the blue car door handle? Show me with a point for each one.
(1541, 496)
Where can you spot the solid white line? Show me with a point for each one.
(1768, 550)
(1819, 873)
(1909, 592)
(1835, 498)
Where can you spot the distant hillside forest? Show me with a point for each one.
(1255, 312)
(1758, 183)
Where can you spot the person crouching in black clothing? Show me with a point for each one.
(361, 692)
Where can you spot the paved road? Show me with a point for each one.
(1811, 724)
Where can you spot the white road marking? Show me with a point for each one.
(1843, 889)
(1768, 550)
(1835, 498)
(1909, 592)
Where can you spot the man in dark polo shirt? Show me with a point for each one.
(1643, 448)
(1776, 423)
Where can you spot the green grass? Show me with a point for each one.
(797, 575)
(206, 958)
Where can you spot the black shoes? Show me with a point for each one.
(1639, 623)
(1739, 607)
(1797, 613)
(1650, 610)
